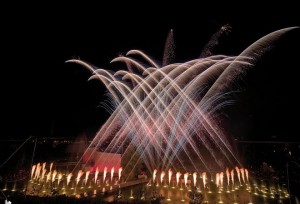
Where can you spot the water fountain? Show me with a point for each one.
(168, 187)
(166, 117)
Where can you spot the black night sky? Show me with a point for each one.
(43, 96)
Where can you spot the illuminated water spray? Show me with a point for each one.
(162, 175)
(87, 173)
(69, 178)
(48, 178)
(221, 179)
(217, 179)
(178, 174)
(44, 165)
(232, 177)
(43, 173)
(37, 171)
(204, 179)
(32, 170)
(154, 175)
(170, 175)
(185, 177)
(104, 174)
(80, 173)
(59, 177)
(238, 174)
(54, 175)
(120, 173)
(112, 173)
(51, 165)
(243, 174)
(247, 175)
(96, 174)
(227, 176)
(195, 178)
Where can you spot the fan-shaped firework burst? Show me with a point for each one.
(169, 113)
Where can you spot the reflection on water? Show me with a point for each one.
(189, 194)
(144, 192)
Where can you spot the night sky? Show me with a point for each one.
(43, 96)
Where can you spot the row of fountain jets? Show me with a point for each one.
(242, 174)
(38, 172)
